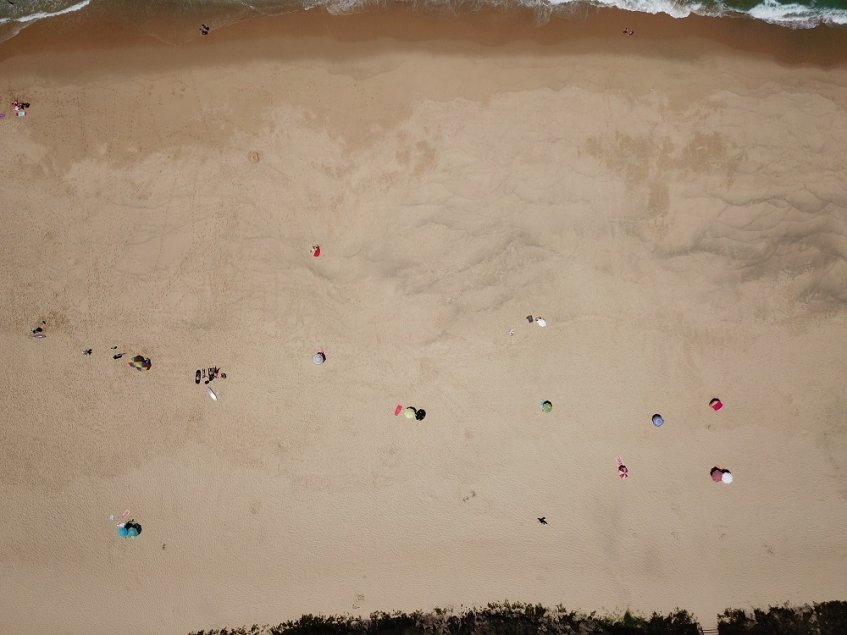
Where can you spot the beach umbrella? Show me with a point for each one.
(132, 532)
(123, 532)
(410, 412)
(546, 406)
(658, 421)
(139, 362)
(716, 474)
(726, 477)
(319, 358)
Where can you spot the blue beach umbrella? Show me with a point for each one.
(123, 532)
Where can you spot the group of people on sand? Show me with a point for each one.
(717, 473)
(209, 375)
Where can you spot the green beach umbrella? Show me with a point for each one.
(546, 406)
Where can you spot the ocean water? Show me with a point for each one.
(17, 14)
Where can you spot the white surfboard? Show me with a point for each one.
(212, 393)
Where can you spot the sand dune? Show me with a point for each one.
(682, 239)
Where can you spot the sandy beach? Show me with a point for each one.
(672, 204)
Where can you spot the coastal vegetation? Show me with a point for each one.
(826, 618)
(507, 618)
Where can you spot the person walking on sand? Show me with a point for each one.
(623, 472)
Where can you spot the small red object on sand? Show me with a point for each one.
(316, 250)
(398, 410)
(715, 404)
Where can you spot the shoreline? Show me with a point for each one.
(102, 31)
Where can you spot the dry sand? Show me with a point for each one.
(673, 206)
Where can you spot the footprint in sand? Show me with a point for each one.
(465, 499)
(253, 156)
(358, 602)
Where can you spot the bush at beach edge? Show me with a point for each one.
(825, 618)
